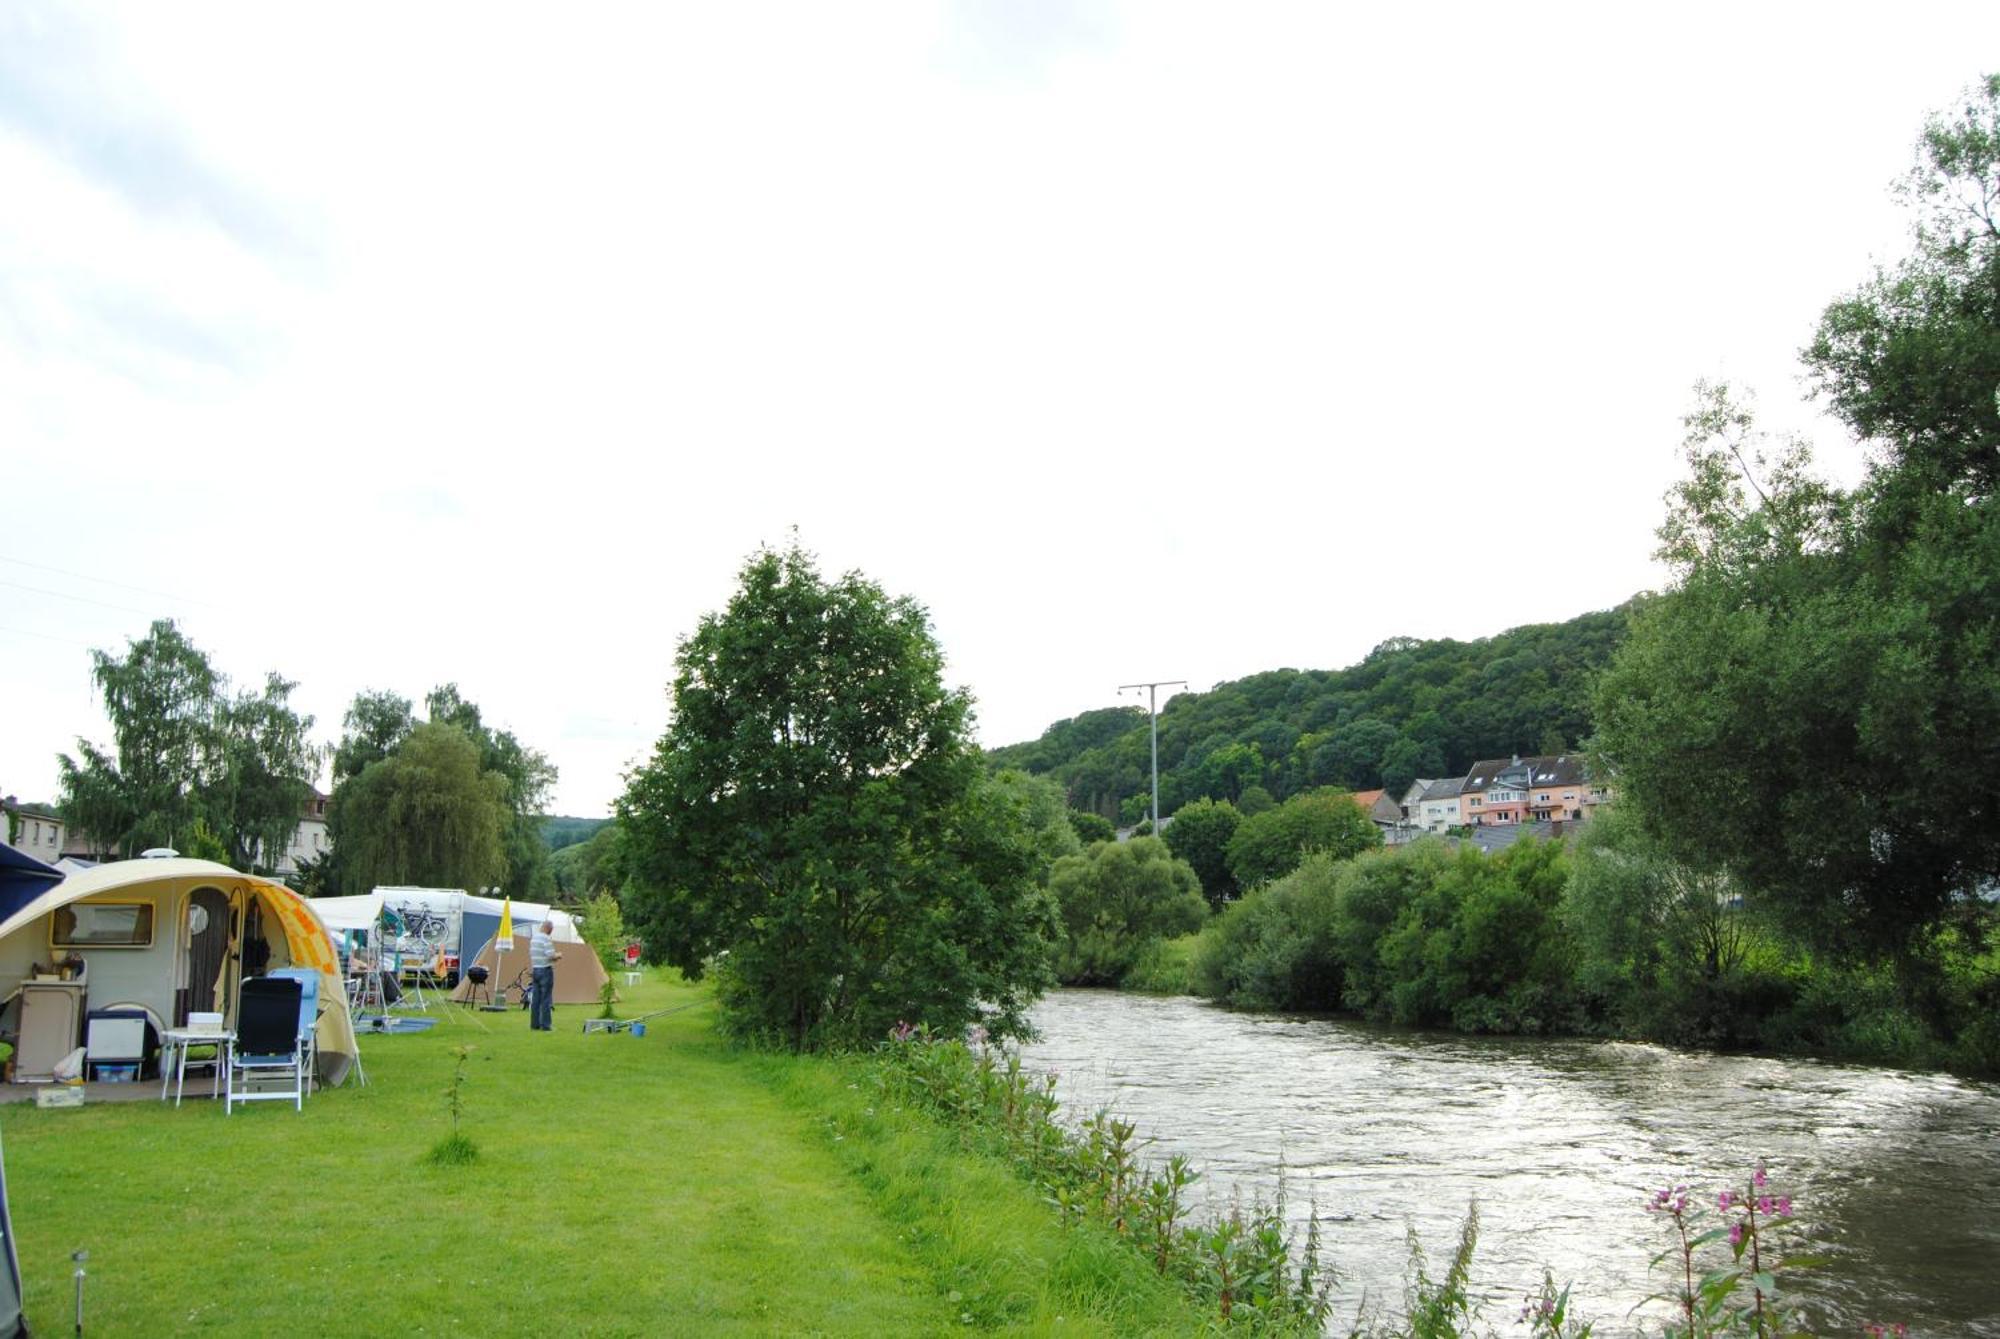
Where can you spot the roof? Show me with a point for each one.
(1446, 789)
(1499, 836)
(1547, 769)
(1366, 798)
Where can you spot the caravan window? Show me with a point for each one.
(102, 925)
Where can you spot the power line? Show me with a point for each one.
(105, 581)
(82, 599)
(23, 632)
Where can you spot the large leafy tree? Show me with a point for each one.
(189, 753)
(264, 766)
(1811, 707)
(1200, 834)
(1117, 898)
(817, 812)
(160, 696)
(529, 777)
(1274, 842)
(426, 814)
(378, 726)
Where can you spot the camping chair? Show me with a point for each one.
(270, 1043)
(308, 980)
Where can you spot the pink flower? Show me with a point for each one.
(1722, 1201)
(1784, 1206)
(1736, 1234)
(1764, 1205)
(1758, 1177)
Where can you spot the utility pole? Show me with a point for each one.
(1153, 718)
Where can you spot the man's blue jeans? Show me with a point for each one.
(542, 1014)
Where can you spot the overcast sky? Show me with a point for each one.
(385, 346)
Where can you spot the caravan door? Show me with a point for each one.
(207, 947)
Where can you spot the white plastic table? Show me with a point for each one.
(178, 1040)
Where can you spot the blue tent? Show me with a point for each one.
(23, 879)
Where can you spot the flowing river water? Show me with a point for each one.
(1897, 1174)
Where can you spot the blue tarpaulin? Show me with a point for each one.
(23, 879)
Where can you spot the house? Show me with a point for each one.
(308, 843)
(1546, 788)
(1414, 796)
(32, 829)
(1378, 806)
(1438, 809)
(1556, 790)
(1495, 791)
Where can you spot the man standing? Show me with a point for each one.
(542, 957)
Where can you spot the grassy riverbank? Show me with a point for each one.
(659, 1185)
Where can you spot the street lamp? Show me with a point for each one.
(1153, 719)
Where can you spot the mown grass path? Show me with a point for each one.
(665, 1184)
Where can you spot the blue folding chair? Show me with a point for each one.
(308, 980)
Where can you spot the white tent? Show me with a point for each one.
(348, 913)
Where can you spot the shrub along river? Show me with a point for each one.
(1561, 1142)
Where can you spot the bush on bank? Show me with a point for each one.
(1599, 935)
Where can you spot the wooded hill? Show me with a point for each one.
(1411, 708)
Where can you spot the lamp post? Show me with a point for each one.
(1153, 720)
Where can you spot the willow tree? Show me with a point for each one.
(425, 814)
(817, 811)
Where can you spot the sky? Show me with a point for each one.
(389, 346)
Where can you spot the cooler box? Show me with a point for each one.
(114, 1039)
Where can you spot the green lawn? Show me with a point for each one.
(665, 1184)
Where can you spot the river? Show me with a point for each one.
(1560, 1142)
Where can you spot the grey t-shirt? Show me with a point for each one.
(541, 949)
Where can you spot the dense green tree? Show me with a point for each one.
(1200, 834)
(1229, 771)
(375, 723)
(592, 865)
(1254, 801)
(262, 773)
(1116, 899)
(816, 811)
(1091, 828)
(529, 777)
(1911, 359)
(1644, 923)
(189, 752)
(378, 724)
(1273, 948)
(1043, 812)
(562, 831)
(427, 814)
(160, 698)
(1272, 843)
(1809, 707)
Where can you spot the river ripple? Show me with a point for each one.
(1560, 1142)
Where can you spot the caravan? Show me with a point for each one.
(142, 944)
